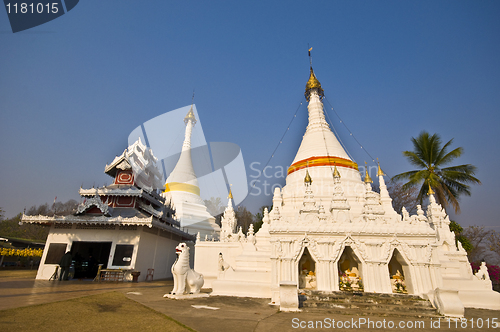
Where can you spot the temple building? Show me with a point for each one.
(126, 226)
(183, 192)
(328, 230)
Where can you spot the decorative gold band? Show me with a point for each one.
(177, 186)
(322, 161)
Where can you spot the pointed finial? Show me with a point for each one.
(313, 83)
(430, 192)
(368, 179)
(190, 116)
(230, 196)
(379, 171)
(336, 173)
(307, 179)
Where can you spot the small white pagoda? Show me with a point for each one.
(329, 231)
(183, 192)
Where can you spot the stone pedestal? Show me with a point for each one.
(448, 303)
(289, 299)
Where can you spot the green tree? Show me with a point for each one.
(457, 229)
(258, 217)
(12, 228)
(448, 183)
(244, 218)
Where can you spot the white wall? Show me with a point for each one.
(150, 250)
(156, 252)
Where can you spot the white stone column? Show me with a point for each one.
(385, 278)
(322, 275)
(334, 272)
(368, 277)
(418, 278)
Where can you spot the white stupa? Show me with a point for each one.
(183, 191)
(329, 231)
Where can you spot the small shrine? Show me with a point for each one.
(126, 227)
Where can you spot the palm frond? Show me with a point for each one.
(442, 153)
(403, 176)
(449, 156)
(414, 159)
(461, 173)
(448, 183)
(451, 197)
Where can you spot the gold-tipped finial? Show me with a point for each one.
(307, 179)
(190, 116)
(430, 192)
(313, 83)
(230, 192)
(336, 173)
(368, 179)
(379, 171)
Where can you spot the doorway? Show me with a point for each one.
(307, 271)
(349, 267)
(87, 256)
(399, 274)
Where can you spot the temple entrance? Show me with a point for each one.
(307, 271)
(87, 256)
(349, 267)
(398, 270)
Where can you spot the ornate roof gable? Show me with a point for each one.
(91, 202)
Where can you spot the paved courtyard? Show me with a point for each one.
(223, 313)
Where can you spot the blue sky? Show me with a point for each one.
(73, 89)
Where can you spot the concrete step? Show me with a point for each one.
(367, 298)
(364, 304)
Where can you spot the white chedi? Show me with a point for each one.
(350, 235)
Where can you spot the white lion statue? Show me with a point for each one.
(482, 273)
(186, 280)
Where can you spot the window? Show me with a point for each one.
(55, 253)
(123, 254)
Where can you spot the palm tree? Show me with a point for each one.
(430, 156)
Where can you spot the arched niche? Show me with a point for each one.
(400, 273)
(350, 270)
(307, 270)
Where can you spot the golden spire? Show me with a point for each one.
(313, 83)
(190, 116)
(230, 196)
(379, 171)
(307, 179)
(368, 179)
(430, 192)
(336, 173)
